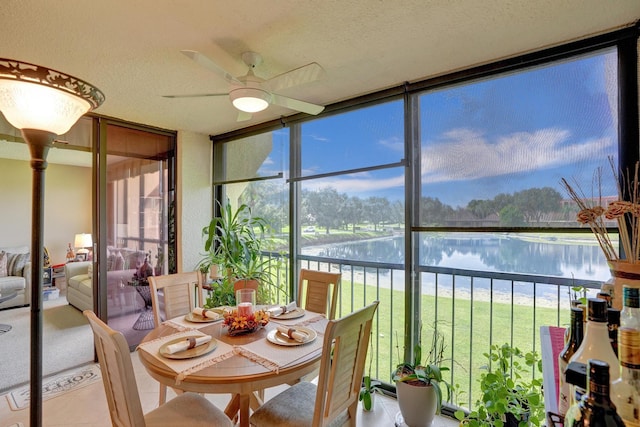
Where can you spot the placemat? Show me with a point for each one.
(273, 356)
(184, 367)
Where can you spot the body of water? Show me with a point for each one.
(545, 256)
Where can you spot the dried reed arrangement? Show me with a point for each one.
(625, 210)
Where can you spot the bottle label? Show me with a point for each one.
(629, 347)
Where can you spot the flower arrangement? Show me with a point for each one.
(625, 210)
(240, 324)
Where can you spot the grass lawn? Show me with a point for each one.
(469, 330)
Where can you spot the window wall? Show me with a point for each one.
(460, 176)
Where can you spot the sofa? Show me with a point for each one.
(122, 263)
(15, 275)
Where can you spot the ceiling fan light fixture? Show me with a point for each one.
(250, 100)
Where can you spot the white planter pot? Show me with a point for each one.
(417, 404)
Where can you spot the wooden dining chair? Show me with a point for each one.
(319, 290)
(178, 296)
(335, 399)
(118, 378)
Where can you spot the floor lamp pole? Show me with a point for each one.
(39, 143)
(42, 103)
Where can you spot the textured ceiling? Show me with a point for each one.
(131, 49)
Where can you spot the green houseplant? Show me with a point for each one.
(369, 386)
(419, 386)
(510, 396)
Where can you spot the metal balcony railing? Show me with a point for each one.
(472, 309)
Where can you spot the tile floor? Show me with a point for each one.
(87, 406)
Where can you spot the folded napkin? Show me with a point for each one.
(293, 333)
(188, 343)
(277, 311)
(205, 313)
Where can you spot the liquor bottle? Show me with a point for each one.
(596, 409)
(576, 332)
(596, 333)
(613, 323)
(625, 392)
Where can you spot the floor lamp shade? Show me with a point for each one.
(34, 97)
(42, 103)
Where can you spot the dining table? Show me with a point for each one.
(241, 365)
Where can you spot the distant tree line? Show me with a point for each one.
(328, 209)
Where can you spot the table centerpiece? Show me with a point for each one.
(239, 323)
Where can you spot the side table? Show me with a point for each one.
(5, 297)
(145, 320)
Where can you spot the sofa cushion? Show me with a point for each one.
(12, 283)
(81, 283)
(16, 263)
(3, 264)
(76, 281)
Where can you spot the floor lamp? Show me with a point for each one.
(43, 104)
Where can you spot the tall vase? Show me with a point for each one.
(623, 273)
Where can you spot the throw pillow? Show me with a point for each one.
(90, 271)
(16, 263)
(3, 264)
(119, 262)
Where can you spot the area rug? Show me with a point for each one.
(67, 343)
(56, 386)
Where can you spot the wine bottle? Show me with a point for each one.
(613, 323)
(596, 409)
(576, 332)
(596, 333)
(625, 392)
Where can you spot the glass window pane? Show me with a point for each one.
(494, 151)
(262, 155)
(362, 138)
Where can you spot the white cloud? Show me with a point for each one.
(394, 143)
(464, 154)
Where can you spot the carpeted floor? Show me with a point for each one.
(67, 342)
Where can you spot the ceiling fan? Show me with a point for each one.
(250, 93)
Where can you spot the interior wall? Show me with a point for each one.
(67, 205)
(194, 157)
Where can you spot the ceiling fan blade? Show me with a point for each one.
(243, 116)
(195, 95)
(305, 74)
(295, 104)
(210, 65)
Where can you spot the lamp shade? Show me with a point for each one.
(34, 97)
(83, 240)
(250, 100)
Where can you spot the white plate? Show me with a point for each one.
(293, 314)
(188, 354)
(194, 318)
(277, 338)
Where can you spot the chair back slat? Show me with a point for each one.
(178, 293)
(319, 291)
(341, 368)
(117, 374)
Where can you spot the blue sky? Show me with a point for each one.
(505, 134)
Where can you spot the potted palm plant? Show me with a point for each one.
(510, 396)
(419, 386)
(233, 244)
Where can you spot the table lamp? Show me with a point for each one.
(82, 242)
(42, 103)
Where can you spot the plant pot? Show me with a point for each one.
(418, 404)
(372, 395)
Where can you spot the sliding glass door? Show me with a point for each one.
(136, 188)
